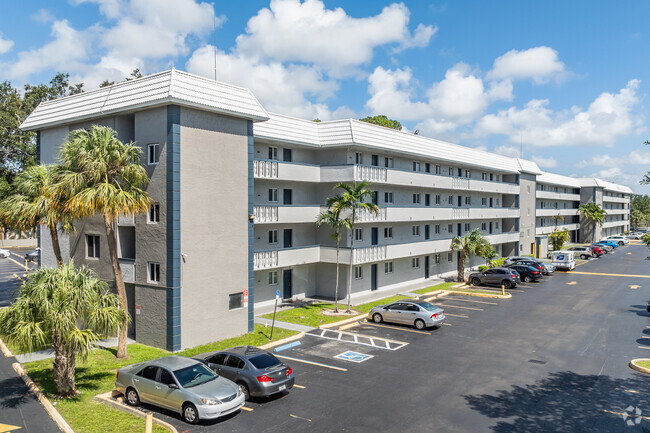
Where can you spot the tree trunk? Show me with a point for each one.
(336, 287)
(349, 310)
(54, 234)
(461, 266)
(119, 284)
(63, 370)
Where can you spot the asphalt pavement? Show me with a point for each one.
(14, 265)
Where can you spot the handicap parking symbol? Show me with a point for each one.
(353, 356)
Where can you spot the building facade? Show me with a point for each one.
(236, 192)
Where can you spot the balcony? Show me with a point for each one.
(620, 223)
(617, 211)
(263, 169)
(287, 257)
(616, 199)
(551, 212)
(539, 231)
(557, 195)
(128, 270)
(286, 214)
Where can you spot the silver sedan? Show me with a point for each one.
(417, 313)
(180, 384)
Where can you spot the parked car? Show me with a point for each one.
(420, 314)
(546, 268)
(257, 372)
(564, 259)
(621, 240)
(4, 253)
(597, 250)
(33, 256)
(183, 385)
(583, 252)
(496, 276)
(526, 273)
(610, 243)
(533, 263)
(606, 249)
(635, 235)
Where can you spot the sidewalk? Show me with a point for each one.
(49, 353)
(283, 325)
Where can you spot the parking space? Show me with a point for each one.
(12, 272)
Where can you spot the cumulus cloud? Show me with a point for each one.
(608, 117)
(295, 31)
(5, 44)
(43, 16)
(541, 64)
(636, 157)
(544, 161)
(511, 151)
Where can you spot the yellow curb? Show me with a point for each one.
(348, 326)
(54, 414)
(298, 336)
(480, 295)
(634, 366)
(107, 400)
(343, 322)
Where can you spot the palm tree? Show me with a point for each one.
(35, 202)
(352, 200)
(104, 176)
(65, 309)
(592, 212)
(471, 244)
(333, 219)
(557, 218)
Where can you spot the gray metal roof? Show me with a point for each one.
(169, 87)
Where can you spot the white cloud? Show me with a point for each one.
(5, 44)
(297, 31)
(541, 64)
(110, 8)
(505, 150)
(544, 161)
(636, 157)
(609, 117)
(43, 16)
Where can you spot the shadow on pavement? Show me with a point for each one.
(569, 402)
(13, 390)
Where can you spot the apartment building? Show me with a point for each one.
(614, 200)
(236, 192)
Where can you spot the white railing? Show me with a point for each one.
(268, 169)
(460, 213)
(265, 259)
(365, 215)
(266, 214)
(128, 270)
(371, 174)
(369, 254)
(460, 183)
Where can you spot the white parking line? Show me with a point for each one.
(311, 362)
(471, 300)
(458, 306)
(372, 341)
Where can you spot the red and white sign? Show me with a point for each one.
(245, 297)
(137, 310)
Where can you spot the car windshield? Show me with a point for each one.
(194, 375)
(427, 306)
(264, 360)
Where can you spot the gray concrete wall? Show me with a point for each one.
(590, 232)
(527, 202)
(214, 225)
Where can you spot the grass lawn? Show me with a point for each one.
(311, 315)
(97, 375)
(644, 364)
(442, 286)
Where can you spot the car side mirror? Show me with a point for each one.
(173, 386)
(385, 308)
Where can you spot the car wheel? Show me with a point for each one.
(190, 415)
(583, 256)
(377, 318)
(507, 284)
(132, 398)
(476, 282)
(527, 279)
(419, 324)
(244, 389)
(621, 243)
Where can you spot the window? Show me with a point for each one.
(427, 167)
(416, 198)
(451, 171)
(468, 174)
(92, 246)
(154, 273)
(450, 257)
(415, 262)
(496, 224)
(468, 200)
(467, 227)
(416, 166)
(149, 372)
(451, 199)
(388, 232)
(235, 362)
(273, 195)
(450, 228)
(388, 267)
(437, 199)
(415, 230)
(460, 172)
(358, 272)
(388, 162)
(153, 216)
(388, 197)
(436, 229)
(484, 201)
(358, 234)
(491, 176)
(273, 236)
(273, 278)
(273, 153)
(358, 158)
(235, 300)
(436, 259)
(166, 377)
(438, 169)
(483, 226)
(152, 153)
(484, 176)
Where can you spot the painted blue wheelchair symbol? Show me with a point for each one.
(353, 356)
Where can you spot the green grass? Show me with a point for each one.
(441, 286)
(97, 375)
(644, 364)
(311, 315)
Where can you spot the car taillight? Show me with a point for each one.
(289, 372)
(117, 375)
(535, 272)
(434, 315)
(513, 275)
(264, 378)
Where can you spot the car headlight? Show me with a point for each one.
(239, 392)
(210, 401)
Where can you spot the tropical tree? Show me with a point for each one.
(333, 219)
(593, 212)
(352, 200)
(65, 309)
(558, 238)
(104, 176)
(486, 251)
(557, 218)
(470, 244)
(35, 202)
(382, 120)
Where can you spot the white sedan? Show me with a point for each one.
(4, 253)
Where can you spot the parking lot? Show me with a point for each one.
(12, 269)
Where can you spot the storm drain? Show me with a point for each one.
(537, 361)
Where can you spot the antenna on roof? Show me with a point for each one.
(215, 44)
(521, 144)
(417, 131)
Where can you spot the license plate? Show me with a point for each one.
(282, 387)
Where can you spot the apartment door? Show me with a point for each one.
(375, 198)
(374, 160)
(490, 227)
(287, 292)
(490, 201)
(287, 155)
(426, 266)
(460, 201)
(426, 232)
(287, 196)
(427, 199)
(374, 235)
(288, 238)
(373, 276)
(460, 233)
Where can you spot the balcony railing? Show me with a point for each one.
(370, 173)
(369, 254)
(266, 169)
(266, 214)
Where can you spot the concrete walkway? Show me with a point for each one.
(49, 353)
(284, 325)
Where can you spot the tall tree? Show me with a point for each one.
(472, 243)
(65, 309)
(332, 218)
(352, 200)
(35, 202)
(104, 176)
(382, 120)
(592, 212)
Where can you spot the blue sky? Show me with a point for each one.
(564, 82)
